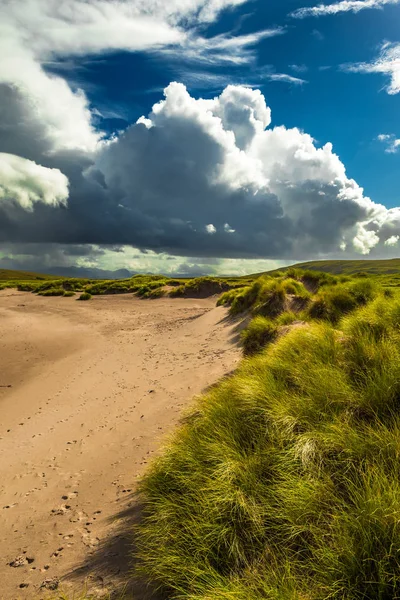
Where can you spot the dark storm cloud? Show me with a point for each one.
(198, 178)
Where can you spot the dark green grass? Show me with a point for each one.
(283, 483)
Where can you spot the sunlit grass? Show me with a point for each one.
(284, 482)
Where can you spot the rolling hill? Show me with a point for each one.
(348, 267)
(9, 275)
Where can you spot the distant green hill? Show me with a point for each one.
(348, 267)
(7, 275)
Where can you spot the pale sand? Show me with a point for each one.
(95, 387)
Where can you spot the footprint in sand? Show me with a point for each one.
(50, 584)
(21, 561)
(57, 512)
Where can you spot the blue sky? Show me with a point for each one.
(328, 75)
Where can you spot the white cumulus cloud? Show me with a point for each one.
(24, 182)
(199, 177)
(392, 143)
(197, 161)
(392, 241)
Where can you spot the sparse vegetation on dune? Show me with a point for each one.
(143, 286)
(283, 483)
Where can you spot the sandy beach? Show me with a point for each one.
(88, 393)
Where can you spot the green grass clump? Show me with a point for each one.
(52, 292)
(283, 483)
(28, 286)
(267, 296)
(335, 301)
(68, 294)
(202, 287)
(85, 296)
(153, 294)
(258, 334)
(177, 292)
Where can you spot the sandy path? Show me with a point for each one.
(94, 388)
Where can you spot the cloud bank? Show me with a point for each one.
(195, 177)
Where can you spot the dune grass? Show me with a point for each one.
(52, 291)
(208, 286)
(258, 334)
(283, 483)
(85, 296)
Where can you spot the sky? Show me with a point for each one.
(198, 136)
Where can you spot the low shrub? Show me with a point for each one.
(68, 293)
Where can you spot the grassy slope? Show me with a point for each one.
(283, 483)
(7, 275)
(349, 267)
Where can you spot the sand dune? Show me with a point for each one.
(87, 393)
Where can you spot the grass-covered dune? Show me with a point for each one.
(144, 286)
(284, 481)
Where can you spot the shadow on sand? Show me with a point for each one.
(240, 322)
(109, 571)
